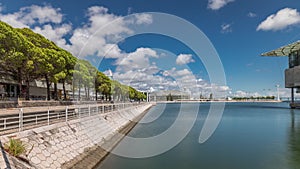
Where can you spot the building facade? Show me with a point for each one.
(292, 73)
(10, 89)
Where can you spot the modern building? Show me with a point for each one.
(10, 90)
(292, 74)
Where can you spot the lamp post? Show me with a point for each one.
(278, 97)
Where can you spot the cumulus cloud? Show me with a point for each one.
(30, 15)
(54, 33)
(99, 36)
(217, 4)
(106, 29)
(157, 79)
(102, 27)
(138, 59)
(241, 93)
(282, 19)
(45, 20)
(143, 19)
(226, 28)
(183, 59)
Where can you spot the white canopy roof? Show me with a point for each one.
(285, 50)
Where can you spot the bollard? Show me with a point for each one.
(66, 113)
(21, 119)
(48, 116)
(79, 113)
(4, 125)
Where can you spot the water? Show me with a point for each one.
(249, 136)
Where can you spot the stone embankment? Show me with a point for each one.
(72, 144)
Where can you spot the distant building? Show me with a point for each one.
(292, 74)
(168, 95)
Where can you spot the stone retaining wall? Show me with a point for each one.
(63, 145)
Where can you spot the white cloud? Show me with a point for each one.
(226, 28)
(282, 19)
(143, 19)
(102, 27)
(45, 20)
(54, 33)
(138, 59)
(183, 59)
(217, 4)
(31, 15)
(136, 69)
(41, 14)
(241, 93)
(252, 15)
(106, 29)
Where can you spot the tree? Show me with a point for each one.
(100, 80)
(53, 60)
(105, 89)
(30, 56)
(211, 96)
(18, 56)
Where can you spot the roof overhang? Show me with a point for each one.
(284, 51)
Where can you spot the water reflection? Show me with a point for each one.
(294, 140)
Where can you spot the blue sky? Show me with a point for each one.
(240, 31)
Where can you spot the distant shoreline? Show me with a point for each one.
(225, 101)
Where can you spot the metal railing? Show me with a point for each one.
(23, 120)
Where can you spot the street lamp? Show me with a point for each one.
(277, 86)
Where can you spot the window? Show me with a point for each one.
(294, 59)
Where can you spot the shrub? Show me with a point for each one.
(15, 147)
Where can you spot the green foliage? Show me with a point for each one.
(18, 55)
(169, 97)
(255, 98)
(30, 56)
(15, 147)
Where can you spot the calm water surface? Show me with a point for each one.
(250, 136)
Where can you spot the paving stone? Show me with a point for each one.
(35, 160)
(46, 153)
(56, 164)
(42, 146)
(45, 164)
(49, 160)
(60, 160)
(54, 157)
(58, 154)
(36, 150)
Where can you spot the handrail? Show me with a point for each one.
(23, 120)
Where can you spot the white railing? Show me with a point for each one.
(23, 120)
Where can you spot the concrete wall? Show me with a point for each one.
(59, 145)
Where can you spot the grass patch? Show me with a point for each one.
(15, 147)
